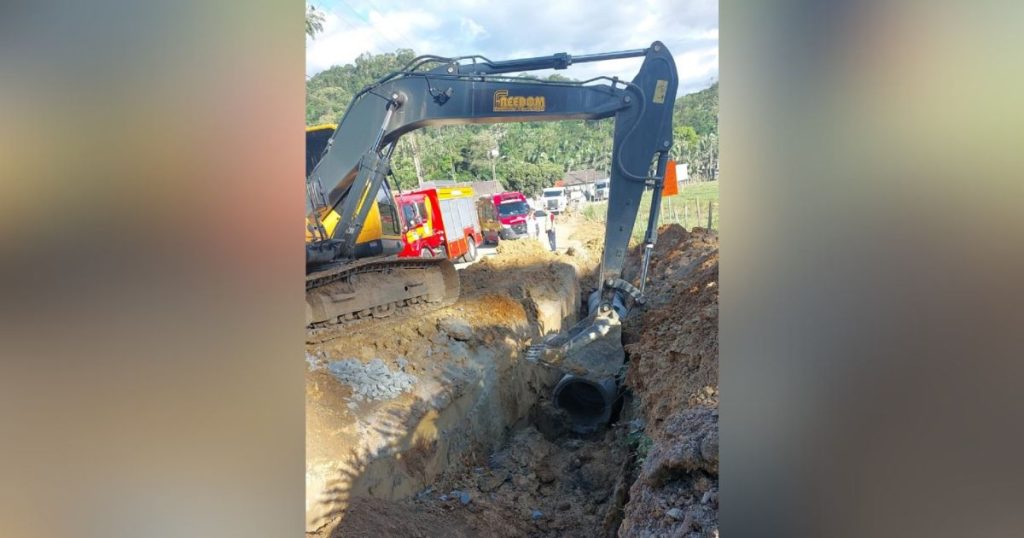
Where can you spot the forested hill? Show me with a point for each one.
(531, 156)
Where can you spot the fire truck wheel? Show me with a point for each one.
(470, 254)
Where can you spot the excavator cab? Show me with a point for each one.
(317, 139)
(382, 228)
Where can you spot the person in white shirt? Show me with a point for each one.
(551, 232)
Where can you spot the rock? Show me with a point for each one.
(697, 450)
(457, 328)
(372, 380)
(423, 494)
(676, 514)
(564, 506)
(463, 496)
(545, 474)
(520, 481)
(492, 482)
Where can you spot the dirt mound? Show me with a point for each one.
(673, 370)
(674, 358)
(537, 278)
(589, 233)
(516, 261)
(519, 247)
(677, 255)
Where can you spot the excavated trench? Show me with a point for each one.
(441, 424)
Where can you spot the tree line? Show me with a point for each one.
(530, 156)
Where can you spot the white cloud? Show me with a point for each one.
(505, 30)
(471, 27)
(346, 36)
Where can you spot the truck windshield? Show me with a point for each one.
(552, 194)
(510, 209)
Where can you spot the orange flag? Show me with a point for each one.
(671, 187)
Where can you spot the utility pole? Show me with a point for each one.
(416, 159)
(494, 159)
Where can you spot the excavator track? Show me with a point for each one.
(374, 289)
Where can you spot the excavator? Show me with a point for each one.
(354, 230)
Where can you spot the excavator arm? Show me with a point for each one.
(476, 90)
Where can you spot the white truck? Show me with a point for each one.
(555, 199)
(600, 190)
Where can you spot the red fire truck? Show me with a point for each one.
(513, 214)
(440, 222)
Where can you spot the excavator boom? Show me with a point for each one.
(434, 91)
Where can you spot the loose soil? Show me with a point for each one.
(672, 346)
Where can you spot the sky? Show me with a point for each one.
(523, 28)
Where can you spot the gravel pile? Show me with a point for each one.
(372, 380)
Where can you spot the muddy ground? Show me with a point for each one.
(457, 438)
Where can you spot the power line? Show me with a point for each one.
(369, 26)
(403, 37)
(358, 27)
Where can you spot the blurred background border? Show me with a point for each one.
(151, 313)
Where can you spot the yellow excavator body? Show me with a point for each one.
(373, 283)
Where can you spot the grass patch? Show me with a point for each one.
(640, 444)
(680, 209)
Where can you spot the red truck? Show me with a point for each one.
(440, 222)
(513, 213)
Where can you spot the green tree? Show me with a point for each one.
(329, 92)
(532, 155)
(314, 21)
(698, 110)
(695, 132)
(528, 178)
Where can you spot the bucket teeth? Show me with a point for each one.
(535, 352)
(591, 349)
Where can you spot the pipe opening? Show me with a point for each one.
(581, 398)
(588, 403)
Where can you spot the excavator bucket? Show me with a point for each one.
(590, 356)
